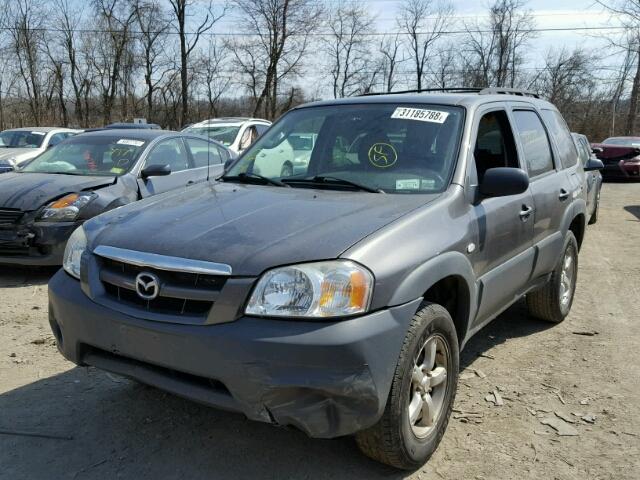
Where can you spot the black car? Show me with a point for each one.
(42, 202)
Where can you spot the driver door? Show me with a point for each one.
(172, 152)
(504, 256)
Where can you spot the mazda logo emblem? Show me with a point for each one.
(147, 286)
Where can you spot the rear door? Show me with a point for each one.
(504, 257)
(173, 152)
(550, 185)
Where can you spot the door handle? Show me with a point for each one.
(191, 182)
(563, 194)
(526, 212)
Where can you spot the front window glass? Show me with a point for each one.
(86, 155)
(21, 139)
(224, 134)
(623, 142)
(397, 149)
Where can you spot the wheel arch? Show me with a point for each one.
(447, 280)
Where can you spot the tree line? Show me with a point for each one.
(87, 63)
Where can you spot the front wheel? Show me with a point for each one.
(421, 396)
(553, 301)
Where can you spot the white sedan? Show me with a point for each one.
(18, 145)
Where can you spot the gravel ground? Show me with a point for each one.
(586, 370)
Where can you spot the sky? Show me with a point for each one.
(548, 14)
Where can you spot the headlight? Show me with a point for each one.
(66, 209)
(324, 289)
(76, 245)
(11, 161)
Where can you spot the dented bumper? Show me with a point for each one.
(327, 379)
(34, 243)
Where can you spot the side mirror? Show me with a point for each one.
(593, 164)
(597, 150)
(155, 171)
(504, 181)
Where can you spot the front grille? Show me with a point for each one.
(191, 294)
(10, 215)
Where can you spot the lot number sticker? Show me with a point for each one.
(419, 114)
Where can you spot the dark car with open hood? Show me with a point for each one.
(44, 201)
(335, 297)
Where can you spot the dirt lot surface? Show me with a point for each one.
(586, 370)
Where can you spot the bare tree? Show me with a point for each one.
(629, 12)
(565, 76)
(349, 48)
(390, 49)
(281, 30)
(26, 26)
(153, 25)
(216, 83)
(182, 10)
(424, 22)
(110, 47)
(494, 49)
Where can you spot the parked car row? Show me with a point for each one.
(331, 275)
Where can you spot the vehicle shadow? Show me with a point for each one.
(633, 210)
(14, 276)
(121, 429)
(515, 322)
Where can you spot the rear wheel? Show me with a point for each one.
(553, 301)
(421, 396)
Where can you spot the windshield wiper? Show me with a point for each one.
(246, 177)
(330, 180)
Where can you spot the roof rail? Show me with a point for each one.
(508, 91)
(422, 90)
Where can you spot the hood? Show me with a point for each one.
(252, 228)
(615, 152)
(20, 154)
(29, 191)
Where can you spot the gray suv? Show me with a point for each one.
(337, 299)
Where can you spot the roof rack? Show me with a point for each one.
(508, 91)
(478, 90)
(422, 90)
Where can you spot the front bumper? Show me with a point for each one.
(35, 243)
(621, 170)
(327, 379)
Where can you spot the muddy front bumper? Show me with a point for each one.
(34, 243)
(327, 379)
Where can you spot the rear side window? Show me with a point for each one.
(535, 143)
(562, 137)
(203, 152)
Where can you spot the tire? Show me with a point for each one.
(548, 303)
(287, 170)
(594, 215)
(393, 440)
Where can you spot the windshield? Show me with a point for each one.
(391, 148)
(86, 155)
(224, 134)
(623, 142)
(21, 139)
